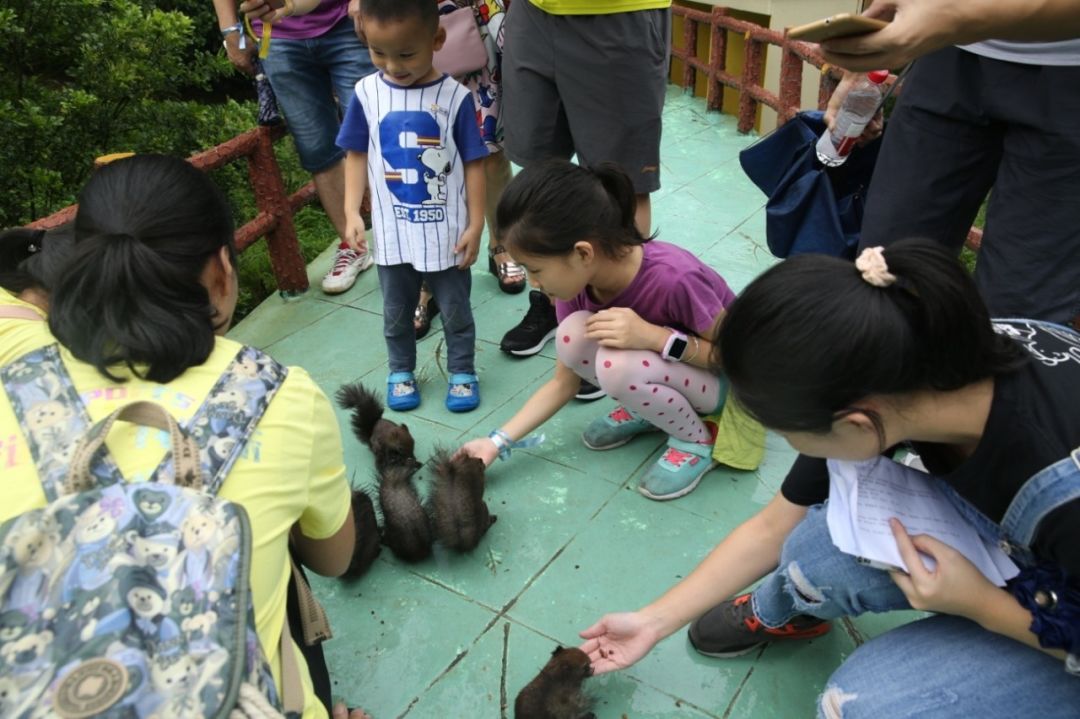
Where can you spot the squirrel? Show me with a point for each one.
(406, 528)
(367, 545)
(391, 443)
(456, 505)
(555, 693)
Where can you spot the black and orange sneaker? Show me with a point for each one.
(731, 629)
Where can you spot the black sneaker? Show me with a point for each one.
(589, 392)
(534, 330)
(731, 629)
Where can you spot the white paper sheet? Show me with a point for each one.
(863, 496)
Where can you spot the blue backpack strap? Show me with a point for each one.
(228, 416)
(52, 416)
(1044, 492)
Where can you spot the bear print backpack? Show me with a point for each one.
(123, 599)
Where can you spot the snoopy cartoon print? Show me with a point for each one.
(436, 161)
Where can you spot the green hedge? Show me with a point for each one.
(84, 78)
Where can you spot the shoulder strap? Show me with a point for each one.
(17, 312)
(227, 417)
(1044, 492)
(52, 416)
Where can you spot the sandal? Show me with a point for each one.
(511, 275)
(423, 315)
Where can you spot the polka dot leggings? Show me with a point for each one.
(671, 395)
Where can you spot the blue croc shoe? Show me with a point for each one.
(615, 429)
(678, 470)
(402, 394)
(463, 394)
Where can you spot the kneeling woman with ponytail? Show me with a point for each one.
(139, 307)
(634, 317)
(849, 362)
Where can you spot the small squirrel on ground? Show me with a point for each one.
(390, 442)
(556, 691)
(456, 505)
(367, 545)
(406, 528)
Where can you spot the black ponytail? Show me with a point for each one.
(132, 293)
(809, 337)
(551, 205)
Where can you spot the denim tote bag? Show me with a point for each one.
(811, 208)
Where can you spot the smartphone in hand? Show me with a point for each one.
(842, 25)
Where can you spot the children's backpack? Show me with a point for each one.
(123, 599)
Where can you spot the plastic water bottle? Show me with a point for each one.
(856, 112)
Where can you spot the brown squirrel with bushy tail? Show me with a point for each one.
(556, 691)
(406, 528)
(459, 515)
(390, 442)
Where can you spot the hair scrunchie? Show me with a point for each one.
(875, 271)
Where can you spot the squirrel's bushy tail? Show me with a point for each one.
(367, 409)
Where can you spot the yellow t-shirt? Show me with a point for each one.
(19, 336)
(291, 470)
(597, 7)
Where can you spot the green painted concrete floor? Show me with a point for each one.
(459, 636)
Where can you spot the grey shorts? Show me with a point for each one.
(587, 84)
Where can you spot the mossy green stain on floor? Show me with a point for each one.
(459, 636)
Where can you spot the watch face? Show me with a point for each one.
(678, 347)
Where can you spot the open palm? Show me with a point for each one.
(619, 640)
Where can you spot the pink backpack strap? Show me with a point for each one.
(16, 312)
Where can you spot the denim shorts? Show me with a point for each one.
(306, 76)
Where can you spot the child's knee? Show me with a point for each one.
(618, 371)
(571, 347)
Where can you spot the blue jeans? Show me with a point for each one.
(948, 667)
(306, 76)
(400, 286)
(943, 666)
(816, 578)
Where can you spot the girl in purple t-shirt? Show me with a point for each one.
(635, 315)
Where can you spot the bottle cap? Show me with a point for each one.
(878, 76)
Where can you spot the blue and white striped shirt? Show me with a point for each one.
(424, 135)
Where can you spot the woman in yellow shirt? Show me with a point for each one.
(139, 312)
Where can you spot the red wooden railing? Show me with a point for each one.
(274, 220)
(793, 54)
(276, 208)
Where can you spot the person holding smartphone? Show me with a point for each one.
(983, 113)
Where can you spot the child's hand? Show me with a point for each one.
(622, 328)
(469, 247)
(261, 10)
(354, 233)
(483, 449)
(954, 587)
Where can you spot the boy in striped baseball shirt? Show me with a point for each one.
(410, 135)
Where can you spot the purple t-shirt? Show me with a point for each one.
(304, 27)
(672, 288)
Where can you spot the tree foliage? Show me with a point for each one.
(83, 78)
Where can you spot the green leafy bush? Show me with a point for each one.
(85, 78)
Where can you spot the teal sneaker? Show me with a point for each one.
(678, 470)
(402, 394)
(615, 429)
(463, 393)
